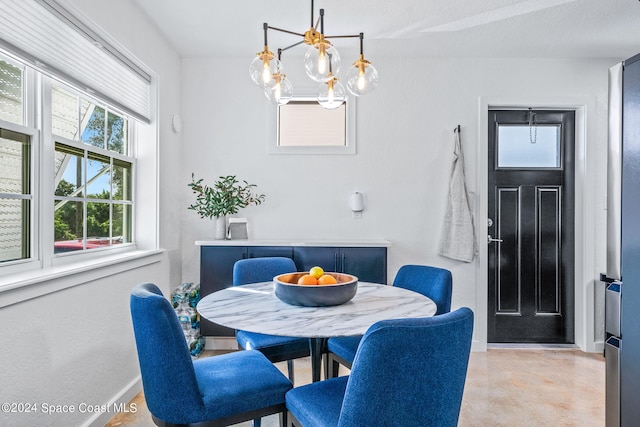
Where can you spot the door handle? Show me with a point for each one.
(491, 239)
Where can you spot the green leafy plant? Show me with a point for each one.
(225, 197)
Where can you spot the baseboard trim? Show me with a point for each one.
(478, 346)
(125, 396)
(220, 343)
(535, 346)
(598, 347)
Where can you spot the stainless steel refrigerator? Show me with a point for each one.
(622, 300)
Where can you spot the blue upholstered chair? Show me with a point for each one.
(212, 391)
(422, 387)
(432, 282)
(276, 348)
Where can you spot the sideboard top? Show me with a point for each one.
(375, 243)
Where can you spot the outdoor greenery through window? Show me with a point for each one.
(71, 111)
(66, 170)
(92, 174)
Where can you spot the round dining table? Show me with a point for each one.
(255, 308)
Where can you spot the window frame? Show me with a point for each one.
(33, 238)
(559, 146)
(273, 123)
(29, 126)
(52, 139)
(113, 158)
(37, 117)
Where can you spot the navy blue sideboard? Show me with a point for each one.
(366, 260)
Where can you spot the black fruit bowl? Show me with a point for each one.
(288, 290)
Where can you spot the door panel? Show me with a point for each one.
(531, 210)
(508, 298)
(548, 289)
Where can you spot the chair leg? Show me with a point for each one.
(335, 368)
(290, 369)
(257, 422)
(331, 366)
(325, 363)
(284, 419)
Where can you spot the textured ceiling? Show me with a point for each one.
(458, 28)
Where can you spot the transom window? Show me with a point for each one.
(529, 147)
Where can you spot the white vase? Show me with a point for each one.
(220, 228)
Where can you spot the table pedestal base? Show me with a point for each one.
(316, 348)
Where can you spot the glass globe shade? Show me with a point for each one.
(262, 72)
(362, 79)
(319, 61)
(279, 92)
(331, 96)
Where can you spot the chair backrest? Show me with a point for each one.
(410, 372)
(252, 270)
(432, 282)
(168, 377)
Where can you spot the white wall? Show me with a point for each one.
(126, 23)
(402, 163)
(76, 345)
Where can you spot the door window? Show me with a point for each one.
(524, 146)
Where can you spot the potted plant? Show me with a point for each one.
(225, 197)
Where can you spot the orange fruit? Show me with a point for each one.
(307, 279)
(327, 279)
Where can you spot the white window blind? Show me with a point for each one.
(59, 44)
(304, 123)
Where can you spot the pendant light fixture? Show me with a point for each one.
(362, 78)
(279, 90)
(264, 65)
(331, 94)
(321, 63)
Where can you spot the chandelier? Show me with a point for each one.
(321, 63)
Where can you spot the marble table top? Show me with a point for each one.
(255, 308)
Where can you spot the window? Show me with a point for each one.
(15, 166)
(308, 124)
(11, 93)
(303, 127)
(15, 195)
(88, 203)
(73, 106)
(524, 146)
(92, 174)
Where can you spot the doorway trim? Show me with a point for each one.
(585, 241)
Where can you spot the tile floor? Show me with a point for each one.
(505, 387)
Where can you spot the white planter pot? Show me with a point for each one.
(220, 228)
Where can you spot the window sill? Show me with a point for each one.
(24, 286)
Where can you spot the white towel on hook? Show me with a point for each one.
(458, 240)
